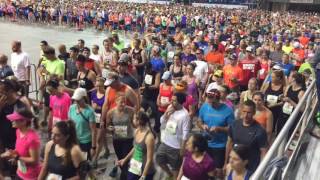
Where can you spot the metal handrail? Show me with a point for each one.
(282, 136)
(34, 81)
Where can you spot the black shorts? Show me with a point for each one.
(218, 156)
(46, 97)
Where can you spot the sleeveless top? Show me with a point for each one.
(56, 166)
(294, 95)
(98, 101)
(192, 89)
(177, 74)
(122, 124)
(85, 82)
(136, 55)
(112, 93)
(165, 96)
(272, 96)
(150, 94)
(140, 153)
(261, 118)
(246, 177)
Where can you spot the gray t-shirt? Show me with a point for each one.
(122, 124)
(72, 71)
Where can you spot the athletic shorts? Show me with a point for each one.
(168, 155)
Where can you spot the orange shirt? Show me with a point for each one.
(215, 58)
(262, 117)
(232, 72)
(301, 55)
(304, 41)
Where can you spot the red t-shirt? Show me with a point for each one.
(250, 68)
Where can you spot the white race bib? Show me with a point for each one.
(164, 100)
(287, 108)
(272, 99)
(104, 73)
(121, 131)
(148, 79)
(171, 127)
(98, 117)
(22, 166)
(261, 72)
(53, 176)
(184, 178)
(135, 167)
(170, 54)
(55, 120)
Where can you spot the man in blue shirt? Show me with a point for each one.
(214, 121)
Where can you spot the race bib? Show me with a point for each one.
(104, 73)
(148, 79)
(272, 99)
(121, 131)
(135, 167)
(261, 72)
(184, 178)
(164, 100)
(22, 166)
(287, 108)
(98, 117)
(55, 120)
(53, 176)
(170, 54)
(171, 127)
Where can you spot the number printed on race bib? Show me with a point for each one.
(53, 176)
(148, 79)
(272, 99)
(121, 131)
(164, 100)
(22, 166)
(171, 127)
(287, 108)
(135, 167)
(98, 117)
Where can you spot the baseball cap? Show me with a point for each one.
(124, 59)
(233, 56)
(276, 67)
(112, 76)
(249, 49)
(166, 75)
(16, 117)
(79, 93)
(296, 44)
(218, 73)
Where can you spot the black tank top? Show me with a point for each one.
(294, 95)
(85, 82)
(137, 56)
(177, 74)
(151, 94)
(56, 166)
(270, 91)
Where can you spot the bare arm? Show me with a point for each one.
(150, 153)
(133, 98)
(104, 109)
(269, 126)
(228, 150)
(44, 169)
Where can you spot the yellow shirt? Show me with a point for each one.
(287, 49)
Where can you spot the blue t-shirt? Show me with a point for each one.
(287, 68)
(222, 116)
(157, 64)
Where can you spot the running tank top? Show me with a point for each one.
(98, 101)
(165, 96)
(294, 95)
(177, 74)
(140, 153)
(56, 166)
(272, 96)
(246, 177)
(112, 93)
(122, 124)
(261, 118)
(85, 82)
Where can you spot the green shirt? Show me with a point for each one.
(305, 66)
(119, 46)
(54, 66)
(82, 125)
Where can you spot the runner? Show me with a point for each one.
(27, 148)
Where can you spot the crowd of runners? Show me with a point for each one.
(204, 91)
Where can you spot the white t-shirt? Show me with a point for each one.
(175, 129)
(19, 63)
(96, 57)
(201, 69)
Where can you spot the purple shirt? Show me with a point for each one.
(188, 58)
(197, 171)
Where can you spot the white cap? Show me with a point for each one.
(166, 75)
(249, 49)
(79, 93)
(296, 44)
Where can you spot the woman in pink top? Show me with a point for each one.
(60, 102)
(26, 153)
